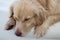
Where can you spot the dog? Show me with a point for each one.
(37, 14)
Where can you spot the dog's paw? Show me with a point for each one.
(10, 24)
(8, 27)
(40, 32)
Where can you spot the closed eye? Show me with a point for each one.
(26, 19)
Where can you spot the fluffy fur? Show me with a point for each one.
(26, 14)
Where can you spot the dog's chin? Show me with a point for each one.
(24, 34)
(20, 34)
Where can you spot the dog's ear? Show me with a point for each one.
(38, 19)
(40, 16)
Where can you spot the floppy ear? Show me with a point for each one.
(39, 19)
(40, 15)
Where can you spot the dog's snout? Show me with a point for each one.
(18, 33)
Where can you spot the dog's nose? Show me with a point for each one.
(18, 33)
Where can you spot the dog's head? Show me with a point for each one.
(26, 22)
(26, 19)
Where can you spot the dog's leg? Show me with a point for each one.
(11, 22)
(41, 30)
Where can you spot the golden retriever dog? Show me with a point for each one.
(40, 14)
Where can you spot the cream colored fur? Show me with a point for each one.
(40, 14)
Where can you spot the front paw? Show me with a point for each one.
(8, 27)
(10, 24)
(40, 32)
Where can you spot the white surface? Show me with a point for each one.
(53, 33)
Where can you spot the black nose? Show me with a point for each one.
(18, 33)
